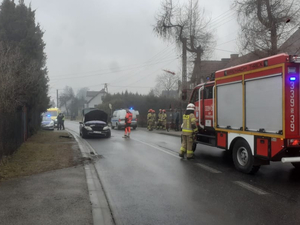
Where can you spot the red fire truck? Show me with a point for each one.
(252, 110)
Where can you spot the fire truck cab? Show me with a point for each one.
(252, 110)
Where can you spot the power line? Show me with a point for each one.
(222, 19)
(220, 15)
(102, 74)
(227, 42)
(147, 75)
(95, 71)
(221, 24)
(90, 86)
(126, 77)
(224, 50)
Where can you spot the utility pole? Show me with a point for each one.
(184, 69)
(57, 98)
(106, 88)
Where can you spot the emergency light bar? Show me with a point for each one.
(292, 78)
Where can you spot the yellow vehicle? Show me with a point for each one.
(53, 113)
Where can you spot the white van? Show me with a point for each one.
(118, 119)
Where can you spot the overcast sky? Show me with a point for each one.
(92, 42)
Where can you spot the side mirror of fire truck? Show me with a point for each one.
(183, 95)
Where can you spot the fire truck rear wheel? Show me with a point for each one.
(243, 158)
(296, 165)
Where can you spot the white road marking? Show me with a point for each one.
(207, 168)
(160, 149)
(251, 188)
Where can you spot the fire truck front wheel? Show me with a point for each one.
(243, 158)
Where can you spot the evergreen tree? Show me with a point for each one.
(20, 34)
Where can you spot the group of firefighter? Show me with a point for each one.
(161, 122)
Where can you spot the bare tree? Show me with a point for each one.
(52, 103)
(186, 24)
(166, 82)
(67, 95)
(81, 93)
(266, 24)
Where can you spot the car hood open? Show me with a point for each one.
(95, 114)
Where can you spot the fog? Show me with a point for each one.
(92, 42)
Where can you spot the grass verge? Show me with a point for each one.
(45, 151)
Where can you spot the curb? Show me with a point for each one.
(102, 214)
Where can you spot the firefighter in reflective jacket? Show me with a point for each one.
(159, 120)
(149, 119)
(164, 119)
(153, 119)
(128, 119)
(189, 127)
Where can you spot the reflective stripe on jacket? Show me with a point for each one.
(159, 116)
(154, 116)
(149, 116)
(164, 116)
(188, 121)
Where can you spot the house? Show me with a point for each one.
(206, 68)
(94, 98)
(291, 46)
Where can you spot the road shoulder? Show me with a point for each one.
(101, 210)
(45, 183)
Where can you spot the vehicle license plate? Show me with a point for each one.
(97, 132)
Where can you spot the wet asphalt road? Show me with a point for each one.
(146, 183)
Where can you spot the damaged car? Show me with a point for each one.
(94, 124)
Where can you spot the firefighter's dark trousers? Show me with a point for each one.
(187, 145)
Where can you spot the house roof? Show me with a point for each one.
(94, 94)
(292, 45)
(207, 67)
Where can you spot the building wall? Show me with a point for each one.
(95, 101)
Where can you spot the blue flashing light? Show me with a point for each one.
(292, 78)
(131, 108)
(49, 115)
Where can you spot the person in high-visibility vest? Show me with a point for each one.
(149, 115)
(153, 119)
(164, 119)
(128, 119)
(189, 127)
(159, 120)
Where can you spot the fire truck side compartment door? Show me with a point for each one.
(262, 146)
(263, 99)
(230, 105)
(222, 140)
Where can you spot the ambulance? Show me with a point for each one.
(53, 113)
